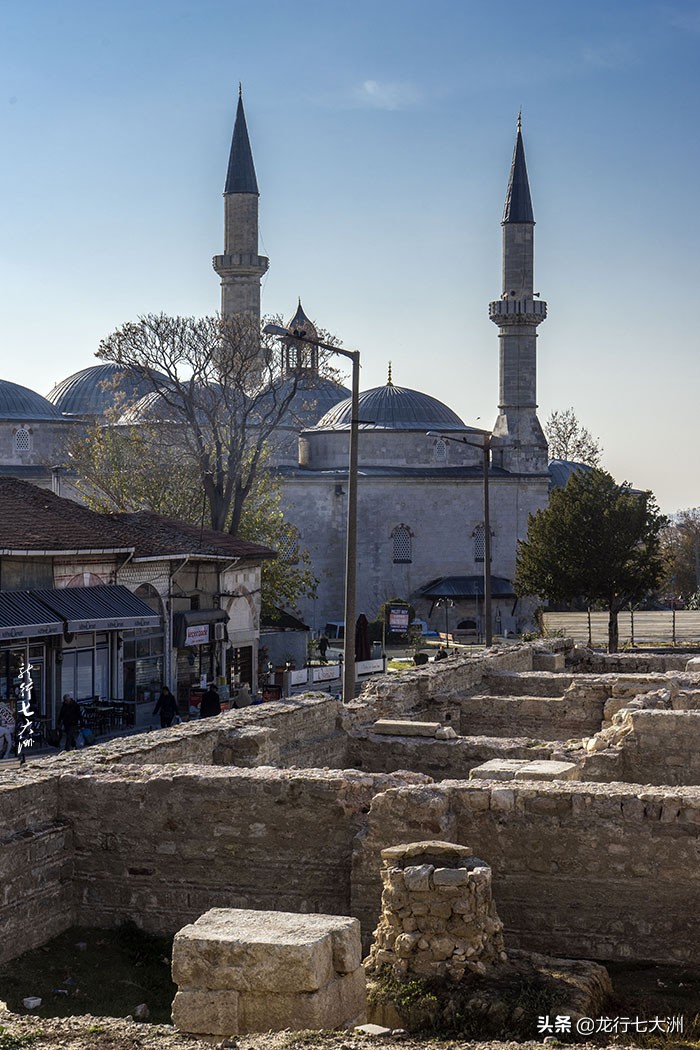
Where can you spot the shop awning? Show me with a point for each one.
(23, 616)
(194, 626)
(97, 608)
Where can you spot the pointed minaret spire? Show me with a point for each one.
(518, 207)
(240, 177)
(522, 448)
(240, 267)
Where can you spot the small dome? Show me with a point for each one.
(19, 402)
(93, 391)
(393, 408)
(314, 396)
(560, 470)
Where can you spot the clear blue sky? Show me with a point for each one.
(382, 132)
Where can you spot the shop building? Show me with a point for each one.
(112, 606)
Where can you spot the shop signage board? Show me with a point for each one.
(197, 635)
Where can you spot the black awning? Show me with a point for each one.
(195, 618)
(97, 608)
(465, 587)
(23, 616)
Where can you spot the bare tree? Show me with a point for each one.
(219, 392)
(568, 439)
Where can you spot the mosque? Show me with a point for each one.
(420, 499)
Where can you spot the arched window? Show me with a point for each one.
(478, 537)
(440, 451)
(23, 440)
(402, 538)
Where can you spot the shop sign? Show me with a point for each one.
(398, 619)
(198, 635)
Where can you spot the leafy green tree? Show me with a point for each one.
(681, 542)
(569, 439)
(597, 540)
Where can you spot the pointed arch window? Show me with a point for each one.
(478, 537)
(402, 539)
(440, 451)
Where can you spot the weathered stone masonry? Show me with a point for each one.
(164, 826)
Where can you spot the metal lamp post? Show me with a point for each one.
(300, 336)
(485, 446)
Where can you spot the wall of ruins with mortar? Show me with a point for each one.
(304, 731)
(644, 746)
(392, 696)
(35, 862)
(579, 870)
(165, 845)
(439, 759)
(588, 660)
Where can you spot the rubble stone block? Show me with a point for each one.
(498, 769)
(340, 1002)
(402, 727)
(205, 1012)
(548, 770)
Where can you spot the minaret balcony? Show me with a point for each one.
(240, 262)
(518, 311)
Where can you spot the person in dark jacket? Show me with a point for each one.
(166, 706)
(70, 718)
(211, 704)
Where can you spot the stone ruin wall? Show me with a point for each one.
(161, 828)
(579, 870)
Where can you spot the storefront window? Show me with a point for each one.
(85, 668)
(143, 664)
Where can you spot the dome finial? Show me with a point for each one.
(389, 382)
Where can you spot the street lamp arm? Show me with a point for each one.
(287, 336)
(285, 333)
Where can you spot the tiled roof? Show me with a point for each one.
(34, 519)
(152, 535)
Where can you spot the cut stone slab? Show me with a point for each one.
(498, 769)
(548, 769)
(241, 970)
(399, 727)
(548, 662)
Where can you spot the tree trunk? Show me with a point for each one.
(613, 632)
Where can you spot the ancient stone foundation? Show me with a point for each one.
(241, 971)
(438, 918)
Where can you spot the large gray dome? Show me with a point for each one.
(393, 408)
(93, 391)
(19, 402)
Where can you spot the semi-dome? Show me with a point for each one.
(93, 391)
(19, 402)
(393, 408)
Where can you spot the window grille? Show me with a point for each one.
(23, 441)
(288, 549)
(478, 536)
(403, 544)
(440, 451)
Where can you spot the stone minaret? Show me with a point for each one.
(240, 267)
(523, 448)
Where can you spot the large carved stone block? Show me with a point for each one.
(241, 971)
